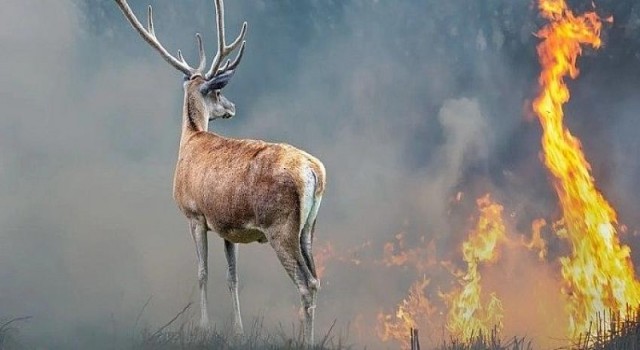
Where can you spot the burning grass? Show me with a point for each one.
(599, 273)
(611, 331)
(466, 309)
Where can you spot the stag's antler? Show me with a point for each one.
(149, 35)
(179, 63)
(223, 49)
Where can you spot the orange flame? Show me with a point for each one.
(467, 316)
(422, 257)
(325, 252)
(599, 272)
(322, 255)
(412, 312)
(537, 242)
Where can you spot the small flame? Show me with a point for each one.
(537, 242)
(422, 257)
(325, 252)
(467, 316)
(414, 311)
(599, 272)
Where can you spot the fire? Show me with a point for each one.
(422, 257)
(467, 316)
(414, 311)
(599, 272)
(537, 242)
(322, 255)
(326, 252)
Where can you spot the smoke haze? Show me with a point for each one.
(405, 102)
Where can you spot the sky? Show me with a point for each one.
(406, 103)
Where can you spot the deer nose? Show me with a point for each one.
(231, 111)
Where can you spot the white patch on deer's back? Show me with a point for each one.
(308, 194)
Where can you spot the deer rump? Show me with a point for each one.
(251, 185)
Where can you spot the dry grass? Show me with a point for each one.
(490, 341)
(180, 333)
(612, 332)
(609, 331)
(187, 336)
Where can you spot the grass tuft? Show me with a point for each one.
(181, 333)
(612, 332)
(490, 341)
(187, 336)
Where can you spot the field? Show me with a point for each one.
(180, 333)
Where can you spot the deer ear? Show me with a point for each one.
(217, 82)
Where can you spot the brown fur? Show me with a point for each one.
(240, 187)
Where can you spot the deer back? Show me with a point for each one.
(237, 184)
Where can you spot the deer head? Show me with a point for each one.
(204, 87)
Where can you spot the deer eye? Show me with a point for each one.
(217, 92)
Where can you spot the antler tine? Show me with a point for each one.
(150, 21)
(223, 68)
(236, 61)
(234, 44)
(240, 37)
(150, 37)
(224, 49)
(180, 57)
(220, 30)
(203, 57)
(232, 65)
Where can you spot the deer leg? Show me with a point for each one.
(286, 243)
(309, 309)
(306, 241)
(306, 245)
(231, 252)
(199, 233)
(306, 237)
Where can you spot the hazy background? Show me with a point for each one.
(406, 103)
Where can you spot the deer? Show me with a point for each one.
(243, 190)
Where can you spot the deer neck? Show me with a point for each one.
(194, 117)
